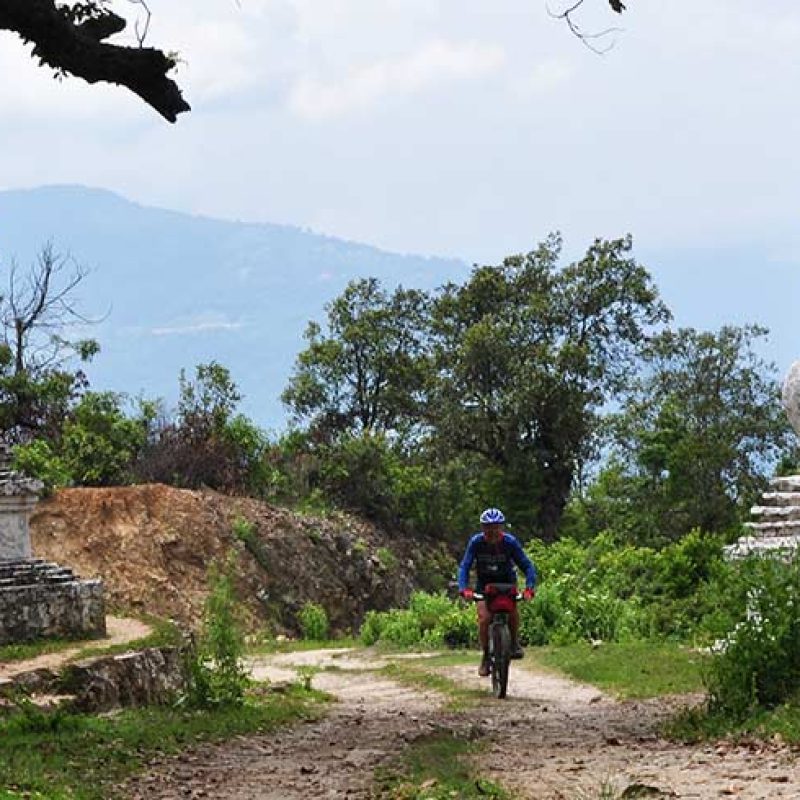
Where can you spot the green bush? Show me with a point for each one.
(38, 460)
(387, 559)
(759, 666)
(599, 590)
(372, 627)
(313, 621)
(402, 628)
(217, 675)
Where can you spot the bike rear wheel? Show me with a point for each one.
(501, 647)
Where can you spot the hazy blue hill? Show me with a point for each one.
(182, 289)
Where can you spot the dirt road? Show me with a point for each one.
(551, 740)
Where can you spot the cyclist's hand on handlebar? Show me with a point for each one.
(467, 594)
(529, 594)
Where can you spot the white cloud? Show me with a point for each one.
(199, 325)
(434, 64)
(547, 76)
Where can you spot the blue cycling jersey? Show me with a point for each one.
(494, 563)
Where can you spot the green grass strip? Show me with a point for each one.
(164, 633)
(79, 757)
(416, 676)
(436, 768)
(628, 670)
(28, 650)
(696, 724)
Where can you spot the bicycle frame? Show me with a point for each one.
(499, 635)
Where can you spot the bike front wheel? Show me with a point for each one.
(501, 645)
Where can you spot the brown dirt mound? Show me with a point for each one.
(153, 546)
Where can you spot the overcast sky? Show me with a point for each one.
(467, 128)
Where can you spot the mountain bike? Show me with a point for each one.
(500, 600)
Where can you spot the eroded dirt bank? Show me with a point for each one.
(153, 545)
(551, 740)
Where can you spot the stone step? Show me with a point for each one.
(750, 544)
(776, 513)
(769, 529)
(35, 574)
(41, 573)
(781, 499)
(788, 483)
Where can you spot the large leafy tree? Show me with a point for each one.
(527, 354)
(697, 437)
(365, 372)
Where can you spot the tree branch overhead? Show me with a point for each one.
(70, 39)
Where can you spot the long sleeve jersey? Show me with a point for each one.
(495, 562)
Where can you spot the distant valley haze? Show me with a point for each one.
(175, 290)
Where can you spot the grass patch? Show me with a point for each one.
(436, 768)
(459, 698)
(628, 670)
(696, 724)
(27, 650)
(449, 658)
(83, 757)
(164, 633)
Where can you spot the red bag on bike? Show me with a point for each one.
(500, 597)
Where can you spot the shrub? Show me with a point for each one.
(372, 627)
(313, 621)
(38, 460)
(387, 559)
(217, 675)
(402, 628)
(759, 666)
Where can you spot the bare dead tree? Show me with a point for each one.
(39, 307)
(69, 37)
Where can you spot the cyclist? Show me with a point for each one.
(494, 553)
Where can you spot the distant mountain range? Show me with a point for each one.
(177, 290)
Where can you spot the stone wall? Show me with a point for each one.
(142, 678)
(73, 609)
(153, 676)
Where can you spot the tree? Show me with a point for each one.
(36, 384)
(97, 444)
(205, 443)
(365, 374)
(70, 38)
(699, 433)
(526, 355)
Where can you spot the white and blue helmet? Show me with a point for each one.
(492, 515)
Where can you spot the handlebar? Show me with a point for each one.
(499, 589)
(478, 597)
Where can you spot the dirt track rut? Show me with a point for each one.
(552, 739)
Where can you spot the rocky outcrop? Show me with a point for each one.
(148, 677)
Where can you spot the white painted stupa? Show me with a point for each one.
(775, 525)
